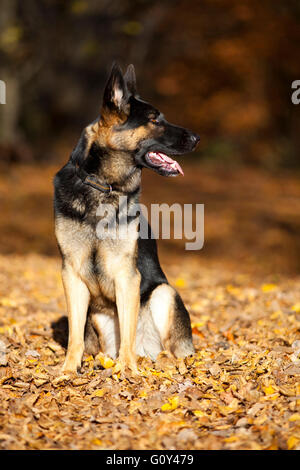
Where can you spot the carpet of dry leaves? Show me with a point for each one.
(241, 390)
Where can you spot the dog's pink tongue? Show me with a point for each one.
(172, 162)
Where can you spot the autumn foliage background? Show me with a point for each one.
(223, 68)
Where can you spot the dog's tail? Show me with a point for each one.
(91, 340)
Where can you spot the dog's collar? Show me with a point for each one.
(93, 181)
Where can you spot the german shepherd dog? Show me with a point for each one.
(119, 300)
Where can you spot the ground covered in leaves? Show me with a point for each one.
(241, 390)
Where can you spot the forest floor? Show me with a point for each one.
(241, 389)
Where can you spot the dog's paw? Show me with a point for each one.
(70, 367)
(126, 365)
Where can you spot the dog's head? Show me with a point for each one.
(129, 124)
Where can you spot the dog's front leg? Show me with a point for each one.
(77, 297)
(128, 304)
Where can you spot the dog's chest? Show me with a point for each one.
(110, 260)
(99, 257)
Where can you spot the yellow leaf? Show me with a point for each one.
(180, 424)
(99, 393)
(89, 358)
(198, 325)
(172, 405)
(278, 331)
(292, 442)
(6, 329)
(33, 360)
(199, 413)
(296, 307)
(268, 287)
(180, 282)
(231, 439)
(269, 390)
(235, 291)
(105, 362)
(97, 442)
(295, 417)
(276, 315)
(155, 372)
(6, 302)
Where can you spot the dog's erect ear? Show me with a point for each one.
(116, 92)
(130, 79)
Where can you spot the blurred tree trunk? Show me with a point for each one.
(9, 112)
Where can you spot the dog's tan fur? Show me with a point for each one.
(118, 282)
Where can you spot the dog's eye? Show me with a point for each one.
(155, 121)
